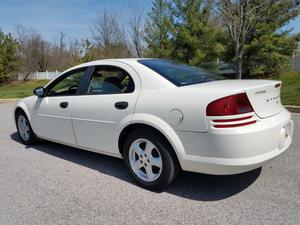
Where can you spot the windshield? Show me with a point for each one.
(180, 74)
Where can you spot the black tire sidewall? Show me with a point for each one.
(32, 138)
(169, 167)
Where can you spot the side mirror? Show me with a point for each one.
(39, 91)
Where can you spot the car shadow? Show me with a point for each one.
(195, 186)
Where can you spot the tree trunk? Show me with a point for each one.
(239, 71)
(138, 50)
(26, 77)
(239, 63)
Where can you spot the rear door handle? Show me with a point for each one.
(63, 105)
(121, 105)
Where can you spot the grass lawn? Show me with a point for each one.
(290, 90)
(19, 89)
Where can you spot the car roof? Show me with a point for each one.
(125, 60)
(99, 62)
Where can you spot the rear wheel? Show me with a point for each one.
(150, 159)
(25, 131)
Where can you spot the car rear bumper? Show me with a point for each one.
(236, 150)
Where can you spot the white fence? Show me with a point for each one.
(296, 63)
(47, 75)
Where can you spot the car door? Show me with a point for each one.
(109, 101)
(52, 113)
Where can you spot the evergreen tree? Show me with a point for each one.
(158, 30)
(9, 58)
(196, 34)
(268, 48)
(255, 42)
(269, 54)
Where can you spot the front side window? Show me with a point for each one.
(110, 80)
(178, 73)
(68, 85)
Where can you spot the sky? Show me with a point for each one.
(72, 17)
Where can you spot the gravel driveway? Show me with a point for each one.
(52, 184)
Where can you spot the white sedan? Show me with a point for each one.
(161, 117)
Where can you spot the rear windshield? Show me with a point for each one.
(180, 74)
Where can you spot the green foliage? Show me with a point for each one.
(268, 48)
(86, 52)
(269, 54)
(290, 90)
(158, 29)
(183, 30)
(9, 59)
(91, 52)
(195, 33)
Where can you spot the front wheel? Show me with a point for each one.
(25, 131)
(150, 159)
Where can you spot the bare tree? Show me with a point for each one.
(72, 55)
(38, 54)
(109, 36)
(57, 53)
(136, 28)
(20, 33)
(34, 51)
(62, 37)
(106, 30)
(240, 17)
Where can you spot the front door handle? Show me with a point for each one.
(121, 105)
(63, 105)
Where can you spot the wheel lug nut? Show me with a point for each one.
(141, 161)
(148, 160)
(145, 164)
(145, 155)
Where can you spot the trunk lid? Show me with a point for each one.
(265, 99)
(263, 95)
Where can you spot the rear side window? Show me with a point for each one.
(110, 80)
(178, 73)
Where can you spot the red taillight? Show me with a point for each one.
(230, 105)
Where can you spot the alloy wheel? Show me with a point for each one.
(24, 129)
(145, 160)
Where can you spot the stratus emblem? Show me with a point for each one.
(273, 99)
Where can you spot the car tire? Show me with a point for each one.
(25, 131)
(156, 170)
